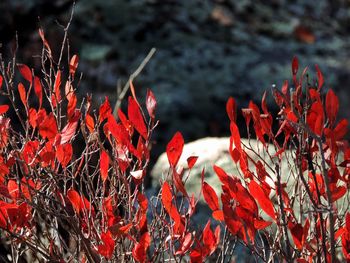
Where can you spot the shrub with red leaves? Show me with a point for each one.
(61, 201)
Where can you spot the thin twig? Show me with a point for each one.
(131, 78)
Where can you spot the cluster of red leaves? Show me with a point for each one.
(308, 126)
(97, 194)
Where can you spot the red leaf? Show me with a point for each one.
(231, 109)
(247, 114)
(297, 234)
(263, 103)
(56, 97)
(174, 149)
(233, 223)
(263, 200)
(295, 65)
(73, 64)
(90, 123)
(136, 118)
(234, 152)
(341, 129)
(261, 224)
(29, 152)
(210, 197)
(177, 179)
(244, 198)
(25, 72)
(305, 230)
(3, 109)
(218, 215)
(338, 192)
(107, 248)
(48, 127)
(284, 90)
(209, 239)
(126, 123)
(46, 44)
(186, 243)
(191, 161)
(151, 103)
(223, 177)
(320, 79)
(47, 155)
(64, 154)
(22, 94)
(105, 110)
(140, 248)
(196, 256)
(332, 106)
(75, 199)
(143, 202)
(38, 90)
(13, 190)
(236, 136)
(1, 80)
(314, 95)
(72, 103)
(167, 197)
(118, 131)
(69, 130)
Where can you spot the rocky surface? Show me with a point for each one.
(207, 50)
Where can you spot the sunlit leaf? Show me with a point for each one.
(210, 197)
(191, 161)
(263, 200)
(136, 118)
(174, 149)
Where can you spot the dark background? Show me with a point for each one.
(207, 50)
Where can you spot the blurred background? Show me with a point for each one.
(207, 50)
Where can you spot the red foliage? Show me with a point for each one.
(47, 183)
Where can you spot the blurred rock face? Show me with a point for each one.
(206, 50)
(214, 151)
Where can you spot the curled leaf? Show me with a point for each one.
(191, 161)
(151, 103)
